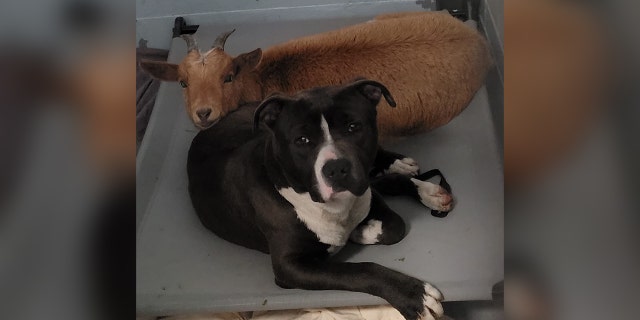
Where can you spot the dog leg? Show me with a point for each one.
(381, 226)
(387, 162)
(413, 298)
(431, 195)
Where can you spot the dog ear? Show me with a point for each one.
(372, 90)
(269, 110)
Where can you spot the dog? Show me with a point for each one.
(291, 177)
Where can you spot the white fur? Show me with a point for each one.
(404, 166)
(369, 233)
(433, 195)
(327, 152)
(334, 220)
(431, 301)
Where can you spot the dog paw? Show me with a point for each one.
(433, 196)
(422, 301)
(368, 233)
(404, 166)
(431, 303)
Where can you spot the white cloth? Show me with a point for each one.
(383, 312)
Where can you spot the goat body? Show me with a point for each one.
(432, 62)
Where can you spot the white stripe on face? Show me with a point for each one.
(327, 152)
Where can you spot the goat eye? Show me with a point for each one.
(183, 84)
(301, 141)
(354, 127)
(228, 78)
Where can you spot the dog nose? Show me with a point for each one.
(336, 170)
(203, 114)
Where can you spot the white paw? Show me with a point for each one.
(433, 196)
(431, 303)
(404, 166)
(368, 233)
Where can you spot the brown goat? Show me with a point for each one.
(432, 62)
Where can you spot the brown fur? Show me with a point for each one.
(431, 62)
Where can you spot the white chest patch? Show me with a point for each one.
(333, 220)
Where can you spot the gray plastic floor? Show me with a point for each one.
(184, 268)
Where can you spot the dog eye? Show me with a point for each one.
(354, 127)
(183, 84)
(301, 141)
(228, 78)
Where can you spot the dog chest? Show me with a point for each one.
(331, 221)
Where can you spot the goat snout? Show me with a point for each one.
(203, 114)
(336, 171)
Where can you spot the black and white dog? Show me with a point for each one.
(291, 177)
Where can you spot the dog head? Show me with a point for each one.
(324, 140)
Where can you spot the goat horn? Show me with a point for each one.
(191, 42)
(221, 39)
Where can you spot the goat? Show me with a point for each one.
(432, 62)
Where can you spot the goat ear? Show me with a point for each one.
(268, 111)
(248, 61)
(160, 70)
(373, 91)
